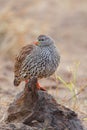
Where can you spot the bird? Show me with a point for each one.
(40, 59)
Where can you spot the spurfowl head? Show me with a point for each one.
(44, 40)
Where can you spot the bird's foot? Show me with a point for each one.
(42, 88)
(39, 87)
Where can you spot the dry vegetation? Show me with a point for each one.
(21, 22)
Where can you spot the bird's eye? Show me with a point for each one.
(41, 39)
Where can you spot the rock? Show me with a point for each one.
(37, 110)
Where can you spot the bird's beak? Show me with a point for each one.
(36, 42)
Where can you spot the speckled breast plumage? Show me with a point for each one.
(41, 63)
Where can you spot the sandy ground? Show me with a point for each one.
(66, 21)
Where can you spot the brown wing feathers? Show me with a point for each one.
(26, 50)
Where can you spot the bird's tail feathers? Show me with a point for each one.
(16, 81)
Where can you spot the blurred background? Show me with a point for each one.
(21, 21)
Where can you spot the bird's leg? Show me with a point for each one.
(39, 87)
